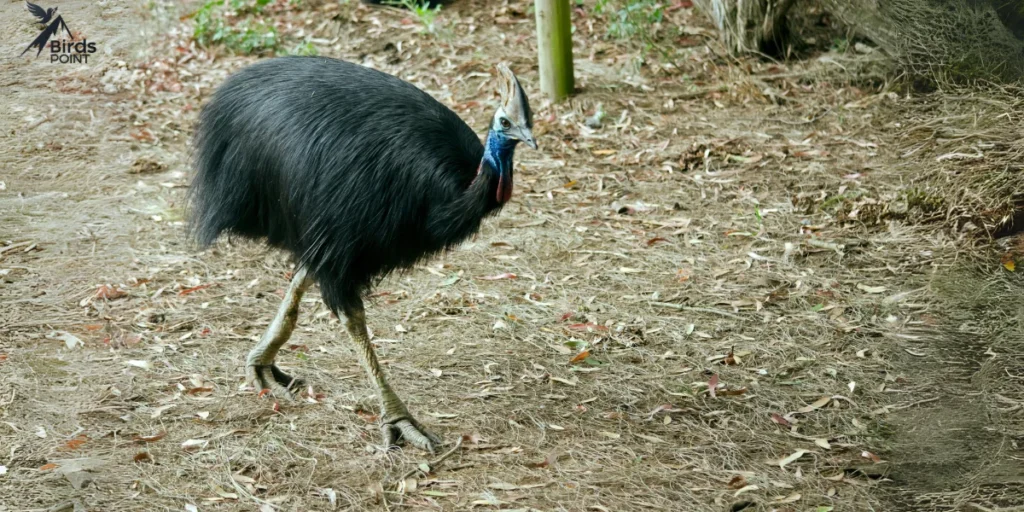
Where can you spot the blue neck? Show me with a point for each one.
(498, 151)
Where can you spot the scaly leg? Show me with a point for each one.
(259, 367)
(398, 424)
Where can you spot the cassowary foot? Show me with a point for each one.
(269, 376)
(407, 429)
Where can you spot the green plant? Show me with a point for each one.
(305, 49)
(638, 20)
(212, 24)
(422, 11)
(634, 18)
(840, 45)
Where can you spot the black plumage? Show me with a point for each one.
(353, 171)
(356, 174)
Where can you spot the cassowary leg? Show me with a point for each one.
(398, 424)
(259, 366)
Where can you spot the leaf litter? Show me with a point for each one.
(612, 224)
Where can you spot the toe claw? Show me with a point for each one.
(269, 376)
(409, 430)
(290, 383)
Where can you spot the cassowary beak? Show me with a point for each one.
(527, 137)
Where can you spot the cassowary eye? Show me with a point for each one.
(505, 124)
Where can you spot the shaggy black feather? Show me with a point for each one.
(355, 172)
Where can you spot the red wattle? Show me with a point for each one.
(504, 188)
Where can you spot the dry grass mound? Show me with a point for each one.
(941, 40)
(977, 145)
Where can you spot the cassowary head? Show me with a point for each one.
(513, 120)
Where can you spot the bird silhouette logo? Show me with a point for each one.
(52, 22)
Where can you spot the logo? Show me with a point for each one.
(62, 51)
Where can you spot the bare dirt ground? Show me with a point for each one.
(737, 293)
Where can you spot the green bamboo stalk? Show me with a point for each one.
(554, 48)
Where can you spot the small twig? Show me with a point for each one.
(700, 91)
(807, 121)
(433, 464)
(242, 492)
(980, 508)
(13, 246)
(610, 253)
(699, 310)
(821, 244)
(911, 404)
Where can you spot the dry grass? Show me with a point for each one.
(687, 228)
(977, 143)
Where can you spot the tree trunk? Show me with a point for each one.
(554, 48)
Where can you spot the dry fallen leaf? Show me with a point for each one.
(737, 482)
(1009, 262)
(331, 494)
(157, 411)
(193, 289)
(732, 392)
(107, 292)
(498, 277)
(870, 289)
(193, 445)
(150, 439)
(76, 443)
(145, 365)
(548, 461)
(788, 499)
(823, 443)
(777, 418)
(366, 416)
(818, 404)
(408, 486)
(868, 455)
(653, 439)
(70, 340)
(580, 357)
(746, 488)
(796, 455)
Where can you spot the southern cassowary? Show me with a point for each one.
(354, 172)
